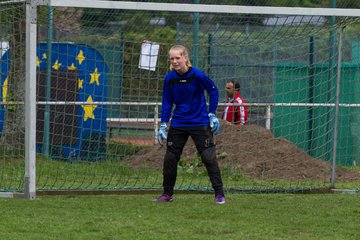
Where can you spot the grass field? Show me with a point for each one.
(190, 216)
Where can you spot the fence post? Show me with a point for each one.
(268, 117)
(156, 120)
(338, 77)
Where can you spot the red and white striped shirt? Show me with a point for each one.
(236, 114)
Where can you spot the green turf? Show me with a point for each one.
(190, 216)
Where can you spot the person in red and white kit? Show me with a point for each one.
(235, 114)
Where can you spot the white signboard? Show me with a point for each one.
(149, 55)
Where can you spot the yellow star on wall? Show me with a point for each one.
(44, 56)
(56, 65)
(37, 62)
(80, 83)
(72, 67)
(80, 57)
(4, 90)
(95, 77)
(89, 109)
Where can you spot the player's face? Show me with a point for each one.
(229, 89)
(178, 61)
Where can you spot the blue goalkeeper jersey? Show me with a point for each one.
(186, 94)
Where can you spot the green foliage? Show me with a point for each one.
(98, 16)
(352, 29)
(121, 150)
(233, 172)
(97, 39)
(144, 80)
(157, 34)
(347, 4)
(12, 153)
(299, 3)
(194, 166)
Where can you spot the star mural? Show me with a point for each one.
(5, 90)
(72, 67)
(80, 57)
(56, 65)
(80, 84)
(90, 83)
(37, 62)
(95, 77)
(89, 109)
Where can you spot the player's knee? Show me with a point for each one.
(170, 161)
(208, 155)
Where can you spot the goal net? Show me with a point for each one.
(80, 110)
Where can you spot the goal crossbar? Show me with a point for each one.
(202, 8)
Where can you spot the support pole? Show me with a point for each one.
(156, 121)
(336, 120)
(177, 36)
(332, 53)
(311, 93)
(268, 117)
(196, 36)
(208, 65)
(46, 140)
(30, 101)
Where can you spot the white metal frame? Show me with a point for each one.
(31, 34)
(30, 100)
(204, 8)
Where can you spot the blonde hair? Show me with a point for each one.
(183, 52)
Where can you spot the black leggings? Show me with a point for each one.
(204, 141)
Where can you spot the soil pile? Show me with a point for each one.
(257, 152)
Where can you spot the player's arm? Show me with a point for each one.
(213, 93)
(167, 103)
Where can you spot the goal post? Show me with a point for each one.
(95, 128)
(30, 100)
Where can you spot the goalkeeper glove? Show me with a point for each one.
(214, 123)
(161, 136)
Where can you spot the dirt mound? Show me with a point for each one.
(257, 152)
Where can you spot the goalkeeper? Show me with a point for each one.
(184, 88)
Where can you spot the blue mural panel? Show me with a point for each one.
(90, 141)
(5, 66)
